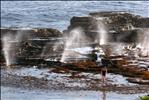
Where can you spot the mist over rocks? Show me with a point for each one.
(87, 23)
(22, 43)
(47, 47)
(47, 42)
(121, 26)
(33, 32)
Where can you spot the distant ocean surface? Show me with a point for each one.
(57, 14)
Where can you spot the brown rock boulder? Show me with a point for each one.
(32, 33)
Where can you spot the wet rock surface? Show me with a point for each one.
(36, 32)
(121, 26)
(70, 80)
(35, 46)
(40, 42)
(26, 44)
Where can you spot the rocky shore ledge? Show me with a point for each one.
(34, 47)
(69, 81)
(120, 26)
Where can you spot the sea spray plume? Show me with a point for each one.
(52, 49)
(118, 48)
(47, 50)
(144, 43)
(136, 49)
(76, 38)
(6, 49)
(73, 40)
(102, 36)
(58, 46)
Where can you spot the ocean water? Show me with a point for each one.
(57, 14)
(9, 93)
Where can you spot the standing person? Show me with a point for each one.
(104, 62)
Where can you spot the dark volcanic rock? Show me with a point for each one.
(122, 19)
(145, 22)
(125, 36)
(121, 26)
(87, 23)
(38, 33)
(47, 32)
(28, 43)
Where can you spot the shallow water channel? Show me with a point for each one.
(9, 93)
(18, 93)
